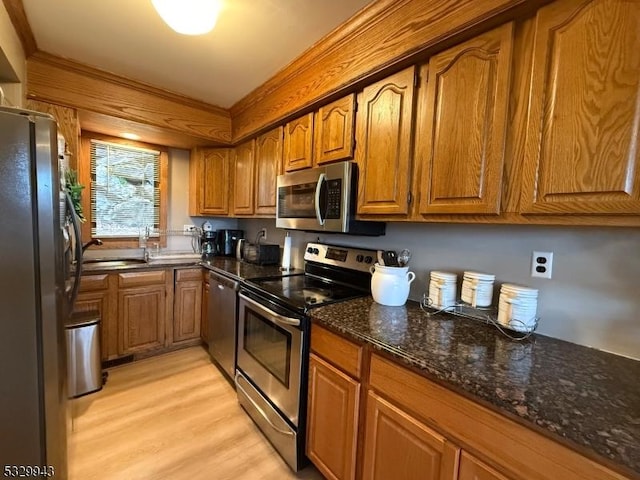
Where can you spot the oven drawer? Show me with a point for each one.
(283, 437)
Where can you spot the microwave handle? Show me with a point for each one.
(321, 179)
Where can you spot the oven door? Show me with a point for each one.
(270, 344)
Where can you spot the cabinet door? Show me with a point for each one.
(398, 446)
(187, 310)
(461, 125)
(383, 137)
(581, 154)
(141, 315)
(100, 302)
(333, 131)
(473, 469)
(332, 420)
(298, 143)
(268, 167)
(243, 179)
(204, 318)
(209, 181)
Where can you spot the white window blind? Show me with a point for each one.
(125, 189)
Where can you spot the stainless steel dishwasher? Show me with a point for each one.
(223, 308)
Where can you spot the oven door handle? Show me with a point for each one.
(321, 179)
(277, 318)
(260, 410)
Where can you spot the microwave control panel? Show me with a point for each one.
(334, 198)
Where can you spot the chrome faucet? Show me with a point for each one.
(94, 241)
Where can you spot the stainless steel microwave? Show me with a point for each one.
(322, 199)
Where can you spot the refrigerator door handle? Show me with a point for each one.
(78, 251)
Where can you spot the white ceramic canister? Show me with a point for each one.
(442, 289)
(477, 289)
(390, 285)
(518, 307)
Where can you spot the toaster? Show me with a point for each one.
(261, 253)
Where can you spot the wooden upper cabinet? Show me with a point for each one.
(243, 180)
(396, 445)
(298, 143)
(383, 136)
(268, 167)
(461, 125)
(334, 131)
(209, 181)
(581, 154)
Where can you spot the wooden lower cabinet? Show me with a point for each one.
(141, 313)
(204, 317)
(473, 469)
(398, 446)
(187, 306)
(332, 420)
(94, 295)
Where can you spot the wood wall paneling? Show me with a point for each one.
(63, 82)
(384, 34)
(581, 152)
(461, 125)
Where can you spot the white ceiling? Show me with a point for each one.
(252, 41)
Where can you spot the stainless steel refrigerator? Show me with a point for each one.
(38, 246)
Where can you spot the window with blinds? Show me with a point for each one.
(125, 189)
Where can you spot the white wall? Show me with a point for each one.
(593, 298)
(12, 61)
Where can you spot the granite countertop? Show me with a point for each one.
(587, 398)
(242, 270)
(91, 268)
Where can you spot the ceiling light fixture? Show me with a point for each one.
(189, 17)
(130, 136)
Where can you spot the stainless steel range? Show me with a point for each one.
(273, 339)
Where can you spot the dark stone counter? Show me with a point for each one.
(242, 270)
(586, 398)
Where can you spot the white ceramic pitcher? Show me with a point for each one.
(390, 285)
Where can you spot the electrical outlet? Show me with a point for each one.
(541, 264)
(263, 233)
(187, 229)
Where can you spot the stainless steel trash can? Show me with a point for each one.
(84, 369)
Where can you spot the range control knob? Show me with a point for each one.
(359, 258)
(368, 259)
(309, 250)
(316, 251)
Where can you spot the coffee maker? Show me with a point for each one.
(208, 241)
(227, 241)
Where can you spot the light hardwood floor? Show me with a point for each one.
(170, 417)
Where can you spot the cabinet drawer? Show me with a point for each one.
(136, 279)
(523, 453)
(337, 350)
(188, 274)
(90, 283)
